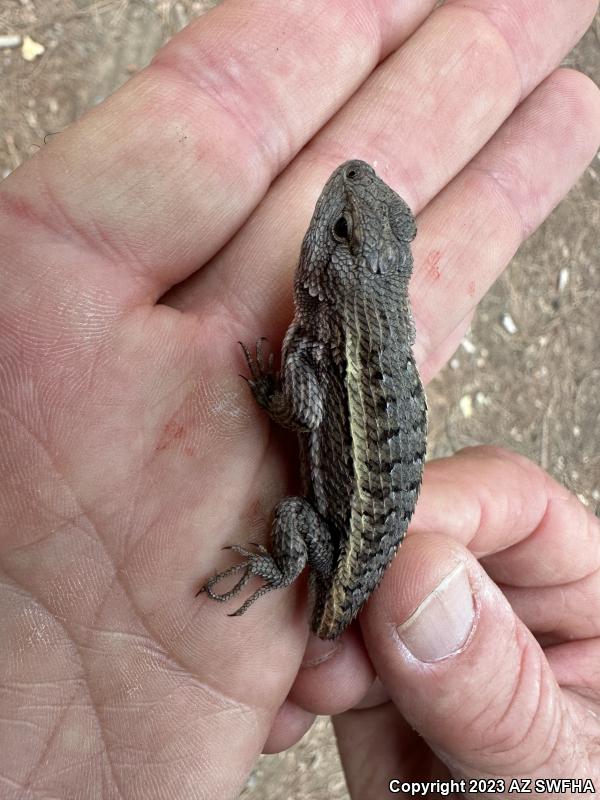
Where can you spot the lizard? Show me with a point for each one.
(349, 386)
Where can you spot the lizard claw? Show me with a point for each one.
(243, 551)
(263, 378)
(260, 547)
(256, 363)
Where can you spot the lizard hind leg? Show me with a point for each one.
(239, 585)
(299, 537)
(277, 570)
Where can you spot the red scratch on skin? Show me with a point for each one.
(471, 288)
(20, 209)
(173, 430)
(432, 261)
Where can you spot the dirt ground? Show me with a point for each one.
(527, 374)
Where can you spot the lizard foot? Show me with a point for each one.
(260, 564)
(263, 380)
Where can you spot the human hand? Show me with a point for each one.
(466, 690)
(131, 450)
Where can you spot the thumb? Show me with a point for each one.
(462, 668)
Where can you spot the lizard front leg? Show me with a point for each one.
(298, 537)
(293, 397)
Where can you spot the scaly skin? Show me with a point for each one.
(350, 387)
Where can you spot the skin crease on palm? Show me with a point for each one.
(132, 452)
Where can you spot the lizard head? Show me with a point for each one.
(359, 236)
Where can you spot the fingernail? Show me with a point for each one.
(318, 651)
(441, 624)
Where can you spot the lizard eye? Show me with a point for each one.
(341, 230)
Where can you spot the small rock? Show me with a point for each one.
(563, 279)
(31, 49)
(508, 324)
(466, 405)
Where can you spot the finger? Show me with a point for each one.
(473, 228)
(462, 669)
(335, 675)
(289, 726)
(536, 53)
(528, 529)
(576, 666)
(431, 361)
(150, 184)
(380, 734)
(456, 73)
(564, 612)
